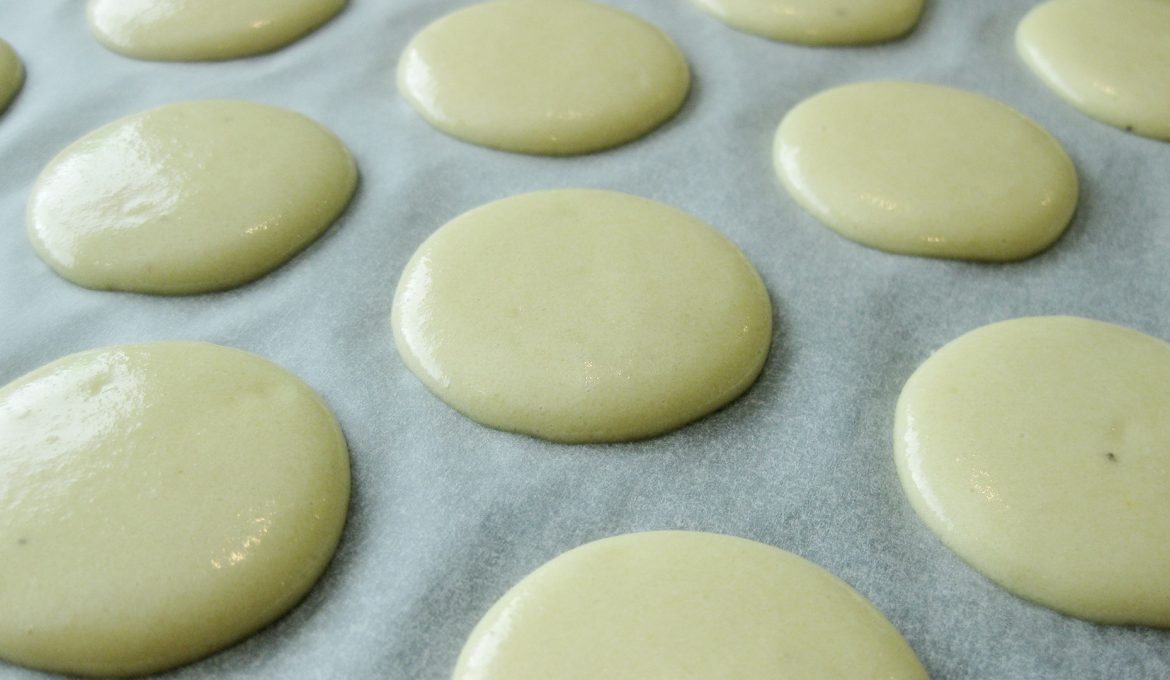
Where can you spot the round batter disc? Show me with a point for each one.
(1108, 58)
(673, 604)
(582, 315)
(189, 197)
(11, 75)
(159, 502)
(926, 170)
(204, 30)
(1038, 449)
(550, 77)
(819, 22)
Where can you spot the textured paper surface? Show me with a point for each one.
(446, 514)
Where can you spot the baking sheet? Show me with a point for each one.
(446, 514)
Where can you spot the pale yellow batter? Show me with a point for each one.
(1039, 450)
(159, 502)
(198, 30)
(819, 22)
(581, 315)
(926, 170)
(671, 605)
(543, 76)
(11, 75)
(1108, 58)
(189, 197)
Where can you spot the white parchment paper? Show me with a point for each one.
(446, 514)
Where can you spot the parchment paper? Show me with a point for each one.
(446, 514)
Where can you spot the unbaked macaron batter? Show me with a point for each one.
(554, 77)
(926, 170)
(1108, 58)
(204, 30)
(159, 502)
(189, 197)
(678, 604)
(582, 315)
(819, 22)
(1038, 449)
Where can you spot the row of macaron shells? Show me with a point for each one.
(407, 83)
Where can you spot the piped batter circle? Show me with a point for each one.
(675, 604)
(582, 315)
(204, 30)
(189, 197)
(552, 77)
(819, 22)
(159, 502)
(1108, 58)
(926, 170)
(1038, 449)
(11, 74)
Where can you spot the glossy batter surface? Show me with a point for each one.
(1039, 450)
(11, 74)
(669, 605)
(819, 22)
(581, 315)
(159, 502)
(926, 170)
(1108, 58)
(189, 197)
(543, 76)
(198, 30)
